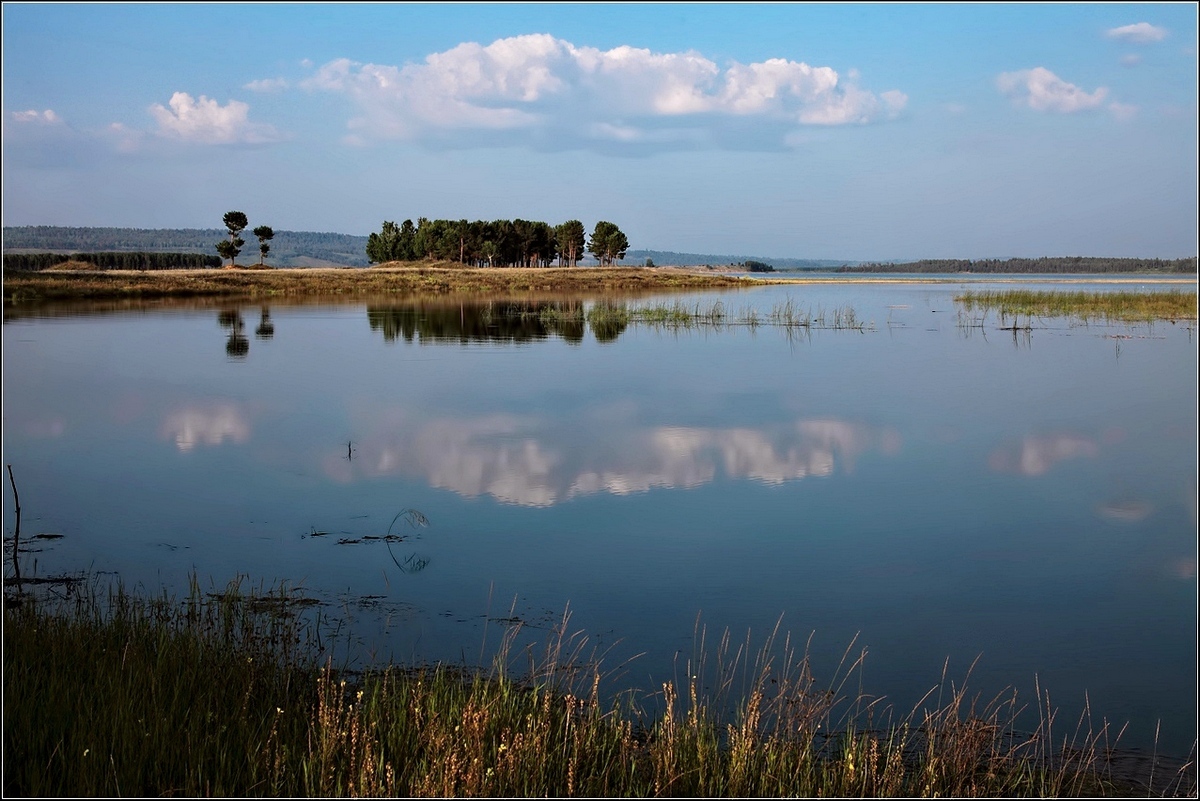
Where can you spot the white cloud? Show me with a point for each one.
(558, 93)
(1131, 60)
(1122, 111)
(47, 117)
(207, 122)
(1141, 33)
(1042, 90)
(267, 85)
(123, 138)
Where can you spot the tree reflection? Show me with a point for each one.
(237, 346)
(508, 321)
(266, 328)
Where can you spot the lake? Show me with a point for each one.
(904, 480)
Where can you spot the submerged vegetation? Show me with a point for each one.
(223, 694)
(1103, 306)
(785, 314)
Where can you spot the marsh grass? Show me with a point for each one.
(1132, 307)
(714, 315)
(222, 695)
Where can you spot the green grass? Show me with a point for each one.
(221, 695)
(680, 315)
(1133, 307)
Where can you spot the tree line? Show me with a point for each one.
(289, 248)
(1046, 264)
(496, 243)
(113, 261)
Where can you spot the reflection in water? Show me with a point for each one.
(237, 346)
(518, 460)
(45, 428)
(1034, 456)
(210, 426)
(490, 321)
(606, 327)
(266, 328)
(560, 474)
(1126, 511)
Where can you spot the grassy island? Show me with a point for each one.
(393, 278)
(1128, 307)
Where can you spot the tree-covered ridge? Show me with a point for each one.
(677, 259)
(113, 261)
(496, 243)
(1046, 264)
(288, 248)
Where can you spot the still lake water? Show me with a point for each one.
(921, 489)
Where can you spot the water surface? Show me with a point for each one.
(922, 488)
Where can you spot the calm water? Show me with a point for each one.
(935, 490)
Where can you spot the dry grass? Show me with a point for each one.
(249, 283)
(74, 265)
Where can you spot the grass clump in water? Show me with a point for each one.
(217, 696)
(1134, 307)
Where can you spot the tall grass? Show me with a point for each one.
(714, 315)
(1104, 306)
(219, 696)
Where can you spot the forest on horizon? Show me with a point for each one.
(319, 249)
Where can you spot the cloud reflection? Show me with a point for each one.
(525, 461)
(1035, 455)
(1126, 511)
(211, 425)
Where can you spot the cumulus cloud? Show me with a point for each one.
(1042, 90)
(1140, 33)
(267, 85)
(549, 89)
(205, 121)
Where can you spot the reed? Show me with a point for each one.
(223, 695)
(680, 315)
(1135, 307)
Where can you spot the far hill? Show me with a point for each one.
(288, 248)
(1046, 264)
(669, 258)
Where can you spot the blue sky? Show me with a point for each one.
(780, 130)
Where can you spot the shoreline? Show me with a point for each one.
(254, 283)
(432, 279)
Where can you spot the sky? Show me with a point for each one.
(822, 131)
